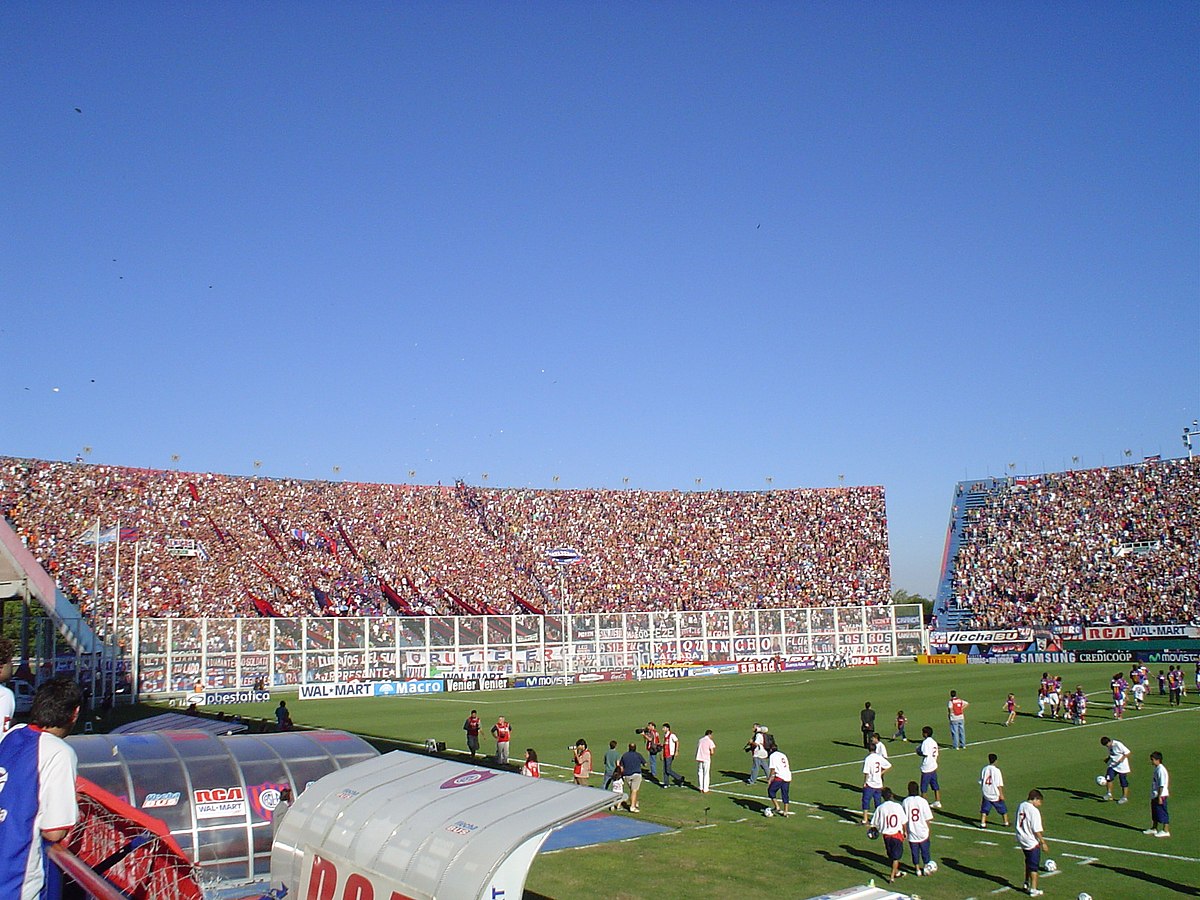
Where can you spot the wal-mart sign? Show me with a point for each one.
(370, 689)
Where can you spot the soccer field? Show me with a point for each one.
(721, 845)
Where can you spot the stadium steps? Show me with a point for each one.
(968, 497)
(24, 573)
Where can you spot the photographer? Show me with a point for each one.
(757, 747)
(653, 746)
(583, 761)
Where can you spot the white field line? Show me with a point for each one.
(1057, 840)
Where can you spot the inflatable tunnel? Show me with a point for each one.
(417, 827)
(218, 795)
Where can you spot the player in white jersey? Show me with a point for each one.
(1031, 839)
(1160, 790)
(873, 768)
(917, 816)
(1117, 764)
(889, 820)
(929, 752)
(991, 783)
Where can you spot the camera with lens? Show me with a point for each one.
(639, 731)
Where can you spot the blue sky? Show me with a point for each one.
(821, 243)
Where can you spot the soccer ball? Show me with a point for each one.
(1084, 895)
(768, 812)
(1101, 780)
(1051, 866)
(872, 832)
(930, 867)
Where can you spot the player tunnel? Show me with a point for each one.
(218, 795)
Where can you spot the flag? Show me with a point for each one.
(321, 597)
(95, 535)
(262, 607)
(131, 534)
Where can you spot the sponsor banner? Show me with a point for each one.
(1105, 656)
(162, 800)
(942, 659)
(856, 661)
(1169, 656)
(987, 636)
(530, 681)
(752, 666)
(370, 689)
(1135, 632)
(468, 685)
(1137, 646)
(219, 698)
(328, 877)
(1042, 658)
(799, 663)
(647, 674)
(996, 658)
(217, 803)
(592, 677)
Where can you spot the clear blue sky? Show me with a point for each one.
(902, 244)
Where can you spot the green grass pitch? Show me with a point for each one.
(722, 846)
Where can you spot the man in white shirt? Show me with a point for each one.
(1031, 839)
(878, 746)
(779, 781)
(873, 768)
(928, 751)
(8, 702)
(889, 820)
(758, 753)
(705, 748)
(1117, 764)
(991, 781)
(917, 816)
(39, 789)
(1160, 790)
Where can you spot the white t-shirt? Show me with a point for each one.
(992, 781)
(704, 749)
(889, 818)
(778, 763)
(873, 768)
(929, 755)
(760, 749)
(918, 816)
(1029, 824)
(1160, 782)
(1117, 750)
(881, 750)
(8, 707)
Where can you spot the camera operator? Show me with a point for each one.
(583, 761)
(757, 748)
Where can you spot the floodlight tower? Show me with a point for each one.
(1189, 433)
(564, 556)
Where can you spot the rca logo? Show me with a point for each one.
(220, 795)
(326, 883)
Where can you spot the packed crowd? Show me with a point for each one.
(220, 546)
(1102, 546)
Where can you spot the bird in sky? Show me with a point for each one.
(78, 110)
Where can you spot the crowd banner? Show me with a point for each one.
(332, 656)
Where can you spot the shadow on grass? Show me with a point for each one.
(959, 866)
(1109, 822)
(957, 817)
(840, 811)
(845, 786)
(1189, 890)
(1075, 794)
(857, 746)
(751, 806)
(856, 859)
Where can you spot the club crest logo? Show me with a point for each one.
(466, 779)
(265, 798)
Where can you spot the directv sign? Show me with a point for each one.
(564, 555)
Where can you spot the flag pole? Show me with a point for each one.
(135, 646)
(96, 573)
(116, 583)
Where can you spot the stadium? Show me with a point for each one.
(381, 614)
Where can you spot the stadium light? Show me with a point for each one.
(1189, 433)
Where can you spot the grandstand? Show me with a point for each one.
(1093, 547)
(224, 546)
